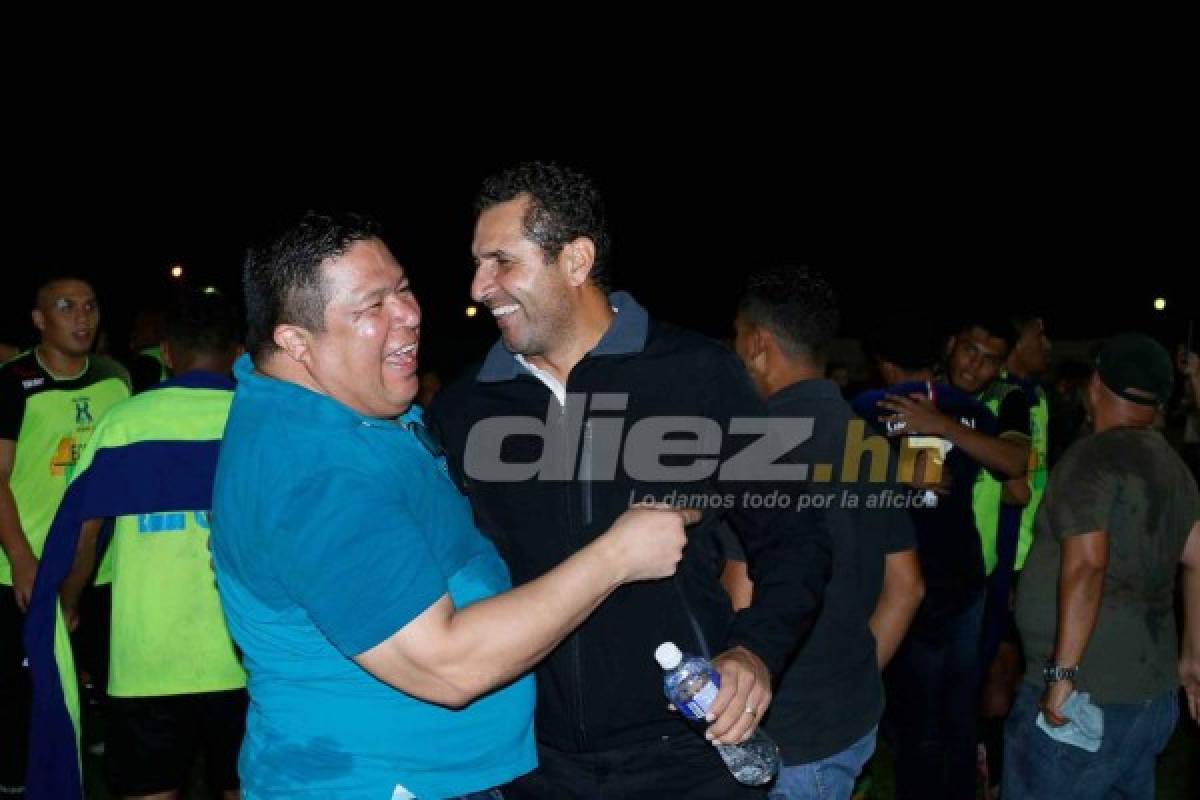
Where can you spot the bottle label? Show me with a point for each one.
(701, 701)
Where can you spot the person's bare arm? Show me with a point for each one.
(1080, 589)
(12, 538)
(1016, 492)
(81, 571)
(1189, 655)
(903, 590)
(1004, 454)
(450, 657)
(736, 580)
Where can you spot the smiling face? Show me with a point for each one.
(528, 295)
(366, 357)
(976, 358)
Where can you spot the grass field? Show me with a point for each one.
(1178, 770)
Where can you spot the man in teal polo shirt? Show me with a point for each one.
(383, 646)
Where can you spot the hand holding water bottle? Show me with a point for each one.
(693, 685)
(744, 697)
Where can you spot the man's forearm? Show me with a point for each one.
(903, 590)
(451, 656)
(517, 629)
(1016, 492)
(1190, 578)
(735, 577)
(1002, 455)
(1080, 589)
(85, 562)
(12, 538)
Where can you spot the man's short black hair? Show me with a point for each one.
(48, 278)
(797, 305)
(202, 323)
(283, 280)
(565, 205)
(997, 325)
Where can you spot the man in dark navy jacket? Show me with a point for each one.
(585, 406)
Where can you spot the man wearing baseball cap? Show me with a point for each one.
(1095, 607)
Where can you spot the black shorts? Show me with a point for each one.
(151, 742)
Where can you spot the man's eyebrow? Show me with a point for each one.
(370, 294)
(381, 291)
(498, 253)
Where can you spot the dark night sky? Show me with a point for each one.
(1086, 228)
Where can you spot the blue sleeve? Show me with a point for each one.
(987, 422)
(356, 560)
(865, 406)
(963, 407)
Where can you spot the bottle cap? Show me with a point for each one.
(668, 655)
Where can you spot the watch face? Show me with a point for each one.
(1052, 674)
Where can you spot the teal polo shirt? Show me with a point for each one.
(330, 532)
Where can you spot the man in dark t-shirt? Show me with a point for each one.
(830, 697)
(1095, 607)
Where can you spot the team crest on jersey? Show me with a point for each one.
(82, 415)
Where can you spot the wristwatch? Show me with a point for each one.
(1053, 673)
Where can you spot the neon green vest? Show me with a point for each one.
(988, 490)
(57, 419)
(1039, 471)
(168, 629)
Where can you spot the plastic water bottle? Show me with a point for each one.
(691, 684)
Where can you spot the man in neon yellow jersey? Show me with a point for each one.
(50, 401)
(175, 680)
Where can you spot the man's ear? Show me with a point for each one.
(578, 256)
(761, 341)
(293, 340)
(39, 320)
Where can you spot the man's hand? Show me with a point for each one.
(647, 542)
(24, 572)
(71, 618)
(743, 699)
(1052, 700)
(918, 413)
(70, 608)
(922, 469)
(1189, 677)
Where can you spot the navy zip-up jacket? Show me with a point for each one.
(601, 688)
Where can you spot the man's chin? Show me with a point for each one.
(514, 344)
(403, 391)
